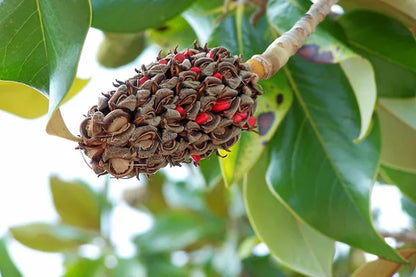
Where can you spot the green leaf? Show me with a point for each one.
(240, 37)
(202, 16)
(390, 46)
(176, 230)
(160, 265)
(175, 32)
(134, 16)
(295, 245)
(262, 266)
(323, 46)
(128, 267)
(76, 203)
(360, 74)
(403, 10)
(398, 133)
(40, 44)
(7, 266)
(317, 169)
(405, 181)
(271, 109)
(50, 237)
(118, 49)
(383, 268)
(210, 170)
(24, 101)
(86, 267)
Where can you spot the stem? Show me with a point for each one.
(285, 46)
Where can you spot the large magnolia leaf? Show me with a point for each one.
(403, 10)
(24, 101)
(76, 203)
(390, 47)
(405, 181)
(134, 15)
(324, 46)
(49, 237)
(289, 240)
(397, 121)
(40, 44)
(317, 169)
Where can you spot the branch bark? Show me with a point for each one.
(285, 46)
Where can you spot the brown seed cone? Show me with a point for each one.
(187, 104)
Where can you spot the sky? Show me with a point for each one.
(29, 156)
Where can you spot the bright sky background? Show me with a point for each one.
(29, 156)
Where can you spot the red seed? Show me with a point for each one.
(143, 79)
(196, 158)
(221, 105)
(202, 118)
(251, 121)
(210, 54)
(189, 53)
(195, 69)
(163, 61)
(217, 75)
(180, 57)
(237, 117)
(180, 110)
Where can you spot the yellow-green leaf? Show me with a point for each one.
(289, 240)
(398, 133)
(56, 127)
(76, 203)
(50, 237)
(24, 101)
(360, 75)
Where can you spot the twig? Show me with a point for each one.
(405, 236)
(285, 46)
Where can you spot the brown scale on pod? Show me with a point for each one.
(180, 108)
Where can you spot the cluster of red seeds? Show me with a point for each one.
(187, 104)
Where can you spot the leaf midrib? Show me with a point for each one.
(315, 130)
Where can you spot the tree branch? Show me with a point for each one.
(285, 46)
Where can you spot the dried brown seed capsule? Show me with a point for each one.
(190, 103)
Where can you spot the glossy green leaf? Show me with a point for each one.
(7, 266)
(134, 15)
(403, 10)
(240, 37)
(360, 74)
(76, 203)
(40, 44)
(24, 101)
(86, 267)
(262, 266)
(315, 166)
(175, 32)
(118, 49)
(289, 240)
(202, 16)
(383, 268)
(50, 237)
(176, 230)
(271, 109)
(389, 45)
(405, 181)
(210, 170)
(323, 46)
(398, 133)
